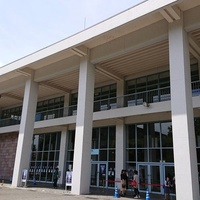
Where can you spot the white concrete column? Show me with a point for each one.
(24, 143)
(82, 150)
(62, 156)
(120, 148)
(66, 104)
(185, 158)
(120, 94)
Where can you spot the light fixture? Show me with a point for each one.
(146, 104)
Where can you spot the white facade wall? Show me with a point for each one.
(149, 23)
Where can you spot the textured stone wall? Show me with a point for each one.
(8, 146)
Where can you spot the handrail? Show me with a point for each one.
(134, 99)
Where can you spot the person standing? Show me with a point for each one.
(136, 183)
(167, 186)
(55, 177)
(123, 182)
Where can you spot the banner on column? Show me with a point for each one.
(24, 175)
(69, 178)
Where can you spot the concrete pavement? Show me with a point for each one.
(36, 193)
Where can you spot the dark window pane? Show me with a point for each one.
(131, 155)
(154, 155)
(131, 137)
(168, 155)
(103, 138)
(142, 136)
(111, 155)
(103, 155)
(112, 137)
(154, 134)
(142, 155)
(95, 138)
(166, 130)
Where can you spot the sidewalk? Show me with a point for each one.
(35, 193)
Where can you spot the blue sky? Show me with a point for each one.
(27, 26)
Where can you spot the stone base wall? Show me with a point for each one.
(8, 146)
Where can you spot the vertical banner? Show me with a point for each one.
(24, 176)
(69, 178)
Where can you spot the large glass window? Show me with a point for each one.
(70, 150)
(149, 142)
(45, 156)
(157, 86)
(105, 97)
(103, 144)
(49, 109)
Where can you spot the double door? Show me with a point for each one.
(99, 175)
(152, 176)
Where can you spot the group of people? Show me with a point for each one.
(133, 181)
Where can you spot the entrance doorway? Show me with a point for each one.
(152, 176)
(99, 174)
(149, 177)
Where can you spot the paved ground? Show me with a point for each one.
(36, 193)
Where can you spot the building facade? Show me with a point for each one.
(123, 94)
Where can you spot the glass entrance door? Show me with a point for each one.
(149, 177)
(98, 174)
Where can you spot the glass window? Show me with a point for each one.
(41, 142)
(141, 136)
(111, 155)
(142, 155)
(166, 130)
(194, 72)
(131, 137)
(71, 139)
(154, 135)
(197, 131)
(45, 157)
(130, 86)
(164, 79)
(95, 138)
(112, 137)
(167, 155)
(47, 140)
(35, 143)
(103, 155)
(52, 142)
(131, 155)
(58, 138)
(152, 82)
(154, 155)
(103, 138)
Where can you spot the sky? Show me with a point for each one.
(27, 26)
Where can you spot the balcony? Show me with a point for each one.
(150, 96)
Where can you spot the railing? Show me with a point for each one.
(150, 96)
(9, 122)
(56, 113)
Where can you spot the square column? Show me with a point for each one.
(120, 149)
(84, 121)
(24, 143)
(185, 158)
(120, 94)
(62, 156)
